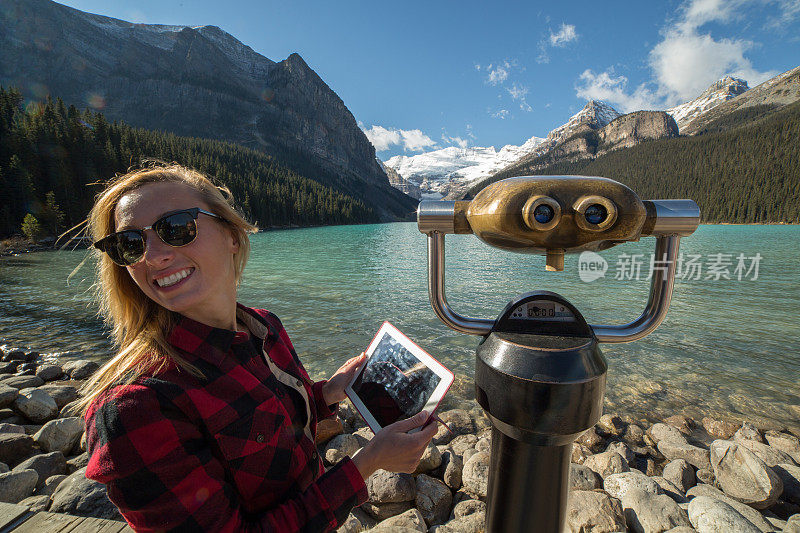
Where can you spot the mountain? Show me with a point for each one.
(743, 167)
(719, 92)
(193, 81)
(588, 140)
(450, 170)
(782, 90)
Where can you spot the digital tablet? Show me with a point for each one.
(397, 380)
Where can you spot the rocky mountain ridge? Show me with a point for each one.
(191, 81)
(779, 91)
(716, 94)
(448, 172)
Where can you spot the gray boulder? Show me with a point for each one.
(766, 453)
(390, 487)
(594, 511)
(743, 476)
(50, 484)
(430, 460)
(664, 432)
(670, 489)
(7, 395)
(472, 523)
(475, 478)
(694, 455)
(79, 496)
(746, 511)
(339, 447)
(382, 511)
(60, 435)
(16, 486)
(790, 476)
(719, 429)
(748, 432)
(36, 502)
(356, 522)
(646, 512)
(81, 369)
(713, 516)
(62, 394)
(792, 524)
(468, 507)
(582, 477)
(77, 462)
(411, 520)
(22, 382)
(617, 485)
(458, 420)
(45, 465)
(624, 450)
(607, 463)
(433, 499)
(462, 442)
(15, 447)
(452, 469)
(49, 372)
(786, 443)
(11, 428)
(36, 405)
(681, 474)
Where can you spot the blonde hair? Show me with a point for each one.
(139, 325)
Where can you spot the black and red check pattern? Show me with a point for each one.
(231, 451)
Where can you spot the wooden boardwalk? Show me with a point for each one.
(20, 519)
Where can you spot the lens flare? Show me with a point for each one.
(96, 101)
(267, 94)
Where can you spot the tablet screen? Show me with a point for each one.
(394, 384)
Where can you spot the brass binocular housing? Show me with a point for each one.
(554, 215)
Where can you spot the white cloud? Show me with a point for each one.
(384, 138)
(458, 141)
(517, 92)
(501, 114)
(565, 35)
(613, 89)
(685, 62)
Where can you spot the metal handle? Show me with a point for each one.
(474, 326)
(658, 302)
(661, 286)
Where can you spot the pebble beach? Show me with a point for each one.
(679, 474)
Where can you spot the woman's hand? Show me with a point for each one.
(395, 450)
(333, 390)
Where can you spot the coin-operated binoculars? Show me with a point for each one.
(539, 372)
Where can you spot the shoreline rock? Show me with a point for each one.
(677, 474)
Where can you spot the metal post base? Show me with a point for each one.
(528, 486)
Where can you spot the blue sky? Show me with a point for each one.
(419, 76)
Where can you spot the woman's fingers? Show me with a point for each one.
(410, 423)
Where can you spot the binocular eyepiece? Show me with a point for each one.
(554, 215)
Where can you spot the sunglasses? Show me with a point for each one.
(176, 229)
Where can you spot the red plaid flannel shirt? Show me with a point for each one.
(228, 452)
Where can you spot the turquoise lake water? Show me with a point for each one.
(728, 347)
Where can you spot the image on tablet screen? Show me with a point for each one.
(394, 384)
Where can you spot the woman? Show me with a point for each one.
(205, 419)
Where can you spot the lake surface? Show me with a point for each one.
(728, 347)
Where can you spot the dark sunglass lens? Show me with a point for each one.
(176, 230)
(129, 248)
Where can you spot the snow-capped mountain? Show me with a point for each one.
(449, 171)
(719, 92)
(440, 172)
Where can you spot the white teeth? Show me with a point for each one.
(173, 279)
